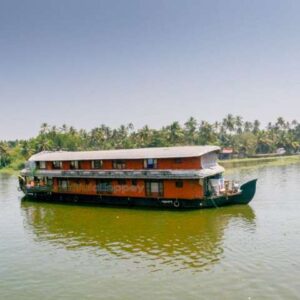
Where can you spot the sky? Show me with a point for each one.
(88, 62)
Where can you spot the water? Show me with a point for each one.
(55, 251)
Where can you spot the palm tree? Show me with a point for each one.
(206, 134)
(44, 144)
(229, 122)
(97, 138)
(256, 126)
(294, 123)
(144, 136)
(190, 129)
(217, 126)
(44, 128)
(280, 123)
(248, 126)
(26, 149)
(239, 124)
(176, 133)
(130, 127)
(264, 142)
(4, 155)
(72, 130)
(64, 128)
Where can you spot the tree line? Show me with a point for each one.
(245, 137)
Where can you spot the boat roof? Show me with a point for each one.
(140, 153)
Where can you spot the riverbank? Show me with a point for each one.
(252, 162)
(9, 171)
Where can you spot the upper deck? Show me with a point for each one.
(126, 154)
(185, 162)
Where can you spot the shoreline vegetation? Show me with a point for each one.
(246, 139)
(9, 171)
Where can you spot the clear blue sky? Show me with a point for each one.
(147, 62)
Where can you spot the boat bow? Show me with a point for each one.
(248, 191)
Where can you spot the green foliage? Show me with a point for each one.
(244, 137)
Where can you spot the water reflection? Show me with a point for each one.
(5, 182)
(147, 238)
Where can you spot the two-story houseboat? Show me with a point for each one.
(180, 177)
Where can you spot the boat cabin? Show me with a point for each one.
(164, 174)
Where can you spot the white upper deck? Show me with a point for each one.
(140, 153)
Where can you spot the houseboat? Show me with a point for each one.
(179, 177)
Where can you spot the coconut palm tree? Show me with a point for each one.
(248, 126)
(190, 131)
(239, 124)
(280, 123)
(206, 134)
(176, 133)
(256, 126)
(44, 128)
(4, 155)
(229, 123)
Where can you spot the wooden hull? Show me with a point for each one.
(244, 197)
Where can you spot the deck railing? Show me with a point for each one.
(130, 174)
(228, 187)
(231, 187)
(39, 189)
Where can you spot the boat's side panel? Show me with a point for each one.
(187, 163)
(190, 189)
(180, 164)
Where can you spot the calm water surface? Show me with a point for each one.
(54, 251)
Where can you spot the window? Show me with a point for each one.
(178, 160)
(154, 188)
(41, 165)
(121, 181)
(179, 183)
(150, 163)
(74, 164)
(134, 182)
(57, 164)
(97, 164)
(63, 184)
(49, 181)
(118, 164)
(104, 186)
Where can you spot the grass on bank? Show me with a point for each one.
(14, 167)
(249, 162)
(9, 171)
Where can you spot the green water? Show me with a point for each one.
(54, 251)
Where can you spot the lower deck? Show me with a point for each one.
(155, 193)
(132, 188)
